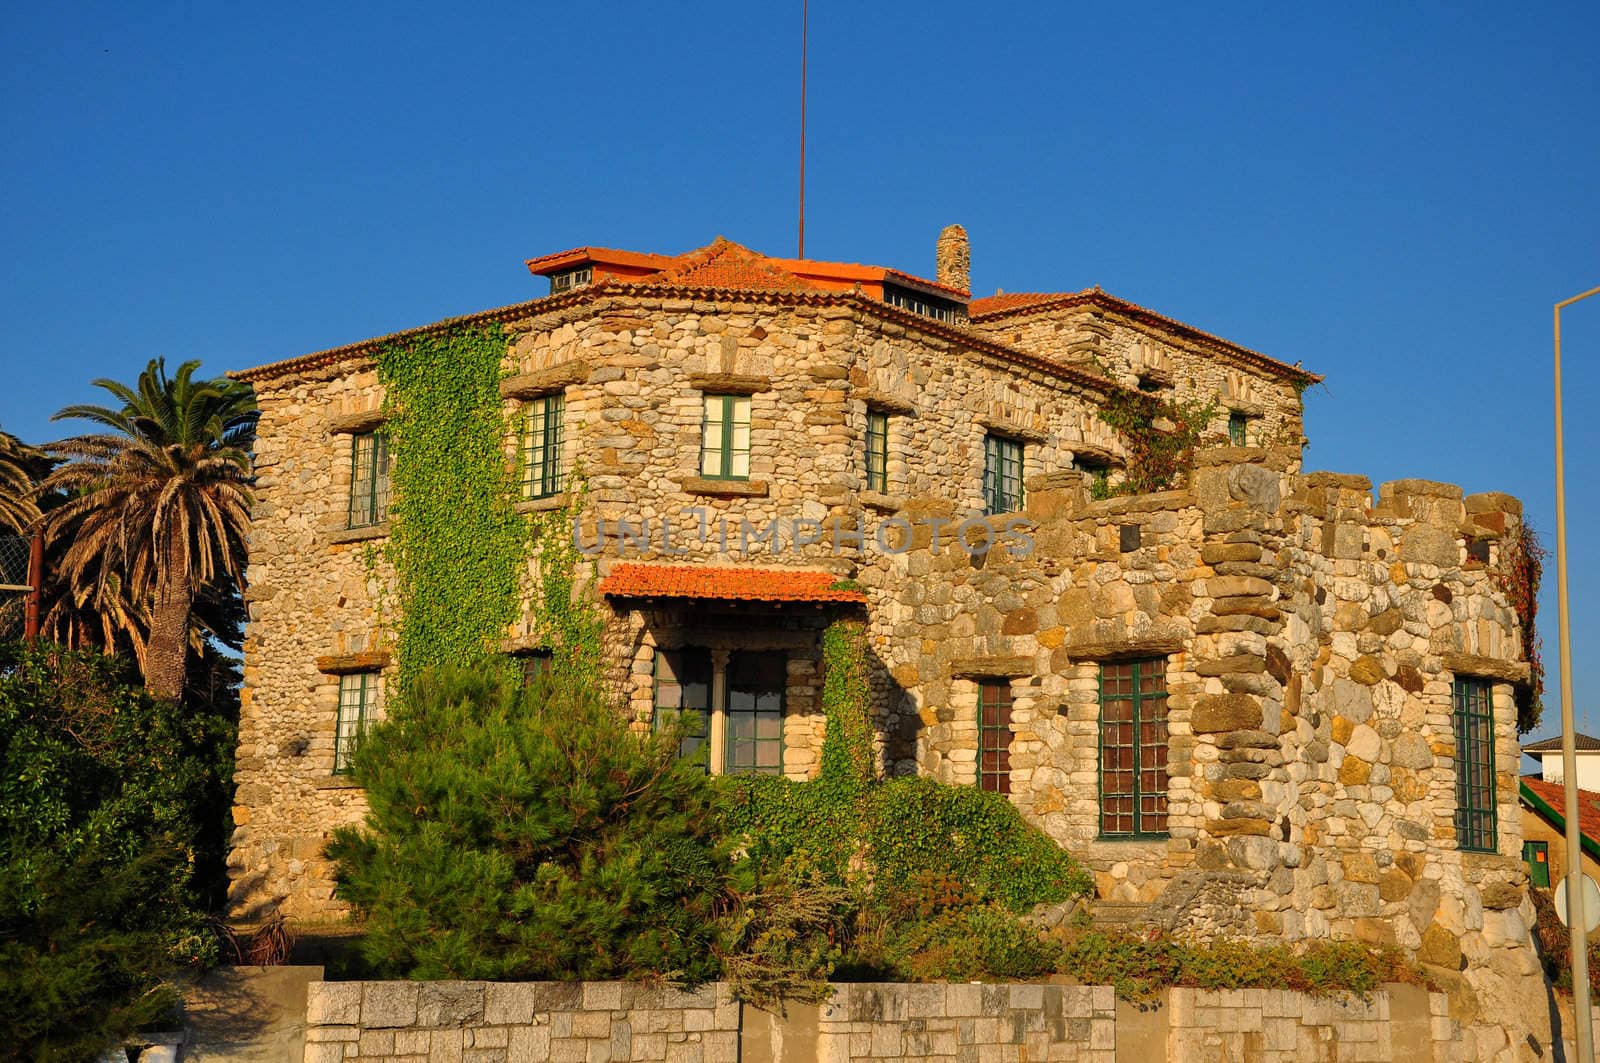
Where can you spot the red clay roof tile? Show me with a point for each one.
(725, 264)
(1554, 795)
(725, 583)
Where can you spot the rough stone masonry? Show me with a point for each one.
(1305, 642)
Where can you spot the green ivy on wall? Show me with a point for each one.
(901, 833)
(457, 543)
(567, 618)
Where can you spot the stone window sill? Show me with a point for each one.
(699, 485)
(885, 502)
(359, 535)
(336, 782)
(542, 505)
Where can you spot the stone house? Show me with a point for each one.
(1263, 703)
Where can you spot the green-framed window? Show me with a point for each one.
(1474, 733)
(533, 664)
(543, 471)
(360, 704)
(1133, 748)
(756, 685)
(1238, 424)
(1002, 474)
(725, 438)
(683, 692)
(994, 735)
(369, 480)
(877, 451)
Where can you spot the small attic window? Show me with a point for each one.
(926, 305)
(568, 280)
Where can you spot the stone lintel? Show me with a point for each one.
(359, 535)
(523, 644)
(880, 501)
(347, 663)
(541, 505)
(1155, 502)
(1091, 454)
(1157, 645)
(700, 485)
(1426, 488)
(350, 424)
(545, 381)
(1001, 426)
(1471, 664)
(1248, 409)
(729, 383)
(991, 667)
(335, 782)
(885, 402)
(1344, 481)
(1492, 502)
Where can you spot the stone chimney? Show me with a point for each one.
(953, 259)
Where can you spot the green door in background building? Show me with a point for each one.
(1537, 856)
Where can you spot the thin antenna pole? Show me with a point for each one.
(804, 19)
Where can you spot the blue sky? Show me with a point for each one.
(1394, 194)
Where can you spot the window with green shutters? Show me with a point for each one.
(1133, 748)
(994, 735)
(877, 451)
(683, 694)
(1474, 732)
(543, 474)
(360, 704)
(1002, 475)
(369, 480)
(725, 438)
(1237, 425)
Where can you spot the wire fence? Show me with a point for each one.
(13, 586)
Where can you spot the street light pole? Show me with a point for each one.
(1576, 916)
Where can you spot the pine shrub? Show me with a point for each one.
(528, 834)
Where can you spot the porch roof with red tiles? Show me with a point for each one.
(725, 583)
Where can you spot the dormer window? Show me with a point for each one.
(926, 305)
(571, 279)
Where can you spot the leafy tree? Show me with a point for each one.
(18, 510)
(158, 508)
(106, 801)
(527, 834)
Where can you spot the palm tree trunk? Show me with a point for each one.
(167, 654)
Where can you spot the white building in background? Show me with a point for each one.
(1548, 753)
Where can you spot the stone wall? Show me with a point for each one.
(599, 1022)
(633, 371)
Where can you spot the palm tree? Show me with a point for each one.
(17, 507)
(158, 507)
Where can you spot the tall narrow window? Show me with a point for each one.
(877, 451)
(369, 480)
(725, 442)
(1237, 423)
(683, 694)
(1002, 474)
(534, 664)
(1133, 748)
(542, 471)
(1474, 727)
(994, 735)
(756, 684)
(360, 704)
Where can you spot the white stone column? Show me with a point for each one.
(718, 731)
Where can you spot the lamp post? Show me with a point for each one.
(1576, 916)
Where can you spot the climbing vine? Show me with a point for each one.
(1521, 568)
(1160, 436)
(456, 542)
(566, 618)
(899, 834)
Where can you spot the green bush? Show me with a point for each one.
(107, 801)
(1139, 966)
(527, 834)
